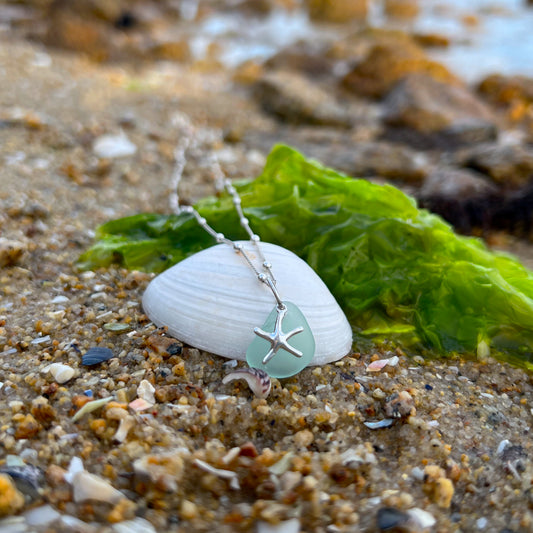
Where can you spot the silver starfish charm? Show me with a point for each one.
(277, 339)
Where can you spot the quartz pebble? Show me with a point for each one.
(41, 516)
(137, 525)
(112, 146)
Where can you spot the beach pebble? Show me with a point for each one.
(11, 500)
(61, 373)
(288, 526)
(391, 519)
(164, 470)
(421, 520)
(400, 405)
(41, 516)
(137, 525)
(10, 252)
(111, 146)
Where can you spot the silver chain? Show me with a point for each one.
(188, 141)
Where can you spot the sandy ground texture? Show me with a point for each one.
(202, 456)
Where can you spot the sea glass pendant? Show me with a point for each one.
(284, 345)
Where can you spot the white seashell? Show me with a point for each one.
(288, 526)
(60, 372)
(212, 301)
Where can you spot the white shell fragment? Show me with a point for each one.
(213, 300)
(288, 526)
(258, 380)
(224, 474)
(61, 373)
(111, 146)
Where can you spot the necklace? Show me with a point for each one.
(270, 350)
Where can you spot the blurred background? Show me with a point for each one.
(434, 96)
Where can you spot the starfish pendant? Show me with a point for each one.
(277, 339)
(270, 339)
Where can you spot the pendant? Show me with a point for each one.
(284, 345)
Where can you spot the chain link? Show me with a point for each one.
(188, 141)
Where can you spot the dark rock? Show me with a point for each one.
(428, 113)
(305, 58)
(459, 196)
(391, 519)
(295, 99)
(96, 355)
(382, 159)
(387, 63)
(508, 165)
(29, 479)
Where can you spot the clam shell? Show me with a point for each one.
(212, 300)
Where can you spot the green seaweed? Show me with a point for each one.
(400, 273)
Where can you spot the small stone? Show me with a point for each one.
(337, 11)
(112, 146)
(123, 510)
(43, 412)
(27, 428)
(11, 500)
(137, 525)
(11, 252)
(391, 519)
(188, 510)
(61, 373)
(41, 516)
(400, 405)
(421, 520)
(164, 470)
(303, 438)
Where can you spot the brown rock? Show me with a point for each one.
(440, 113)
(295, 99)
(509, 165)
(387, 160)
(11, 252)
(507, 90)
(456, 184)
(400, 405)
(404, 9)
(11, 500)
(27, 428)
(172, 51)
(386, 64)
(43, 411)
(337, 11)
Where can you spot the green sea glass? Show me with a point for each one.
(283, 364)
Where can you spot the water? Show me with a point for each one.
(501, 41)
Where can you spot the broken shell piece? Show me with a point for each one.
(87, 486)
(258, 380)
(376, 366)
(400, 405)
(61, 373)
(288, 526)
(224, 474)
(90, 487)
(164, 471)
(140, 405)
(380, 424)
(146, 391)
(126, 422)
(91, 406)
